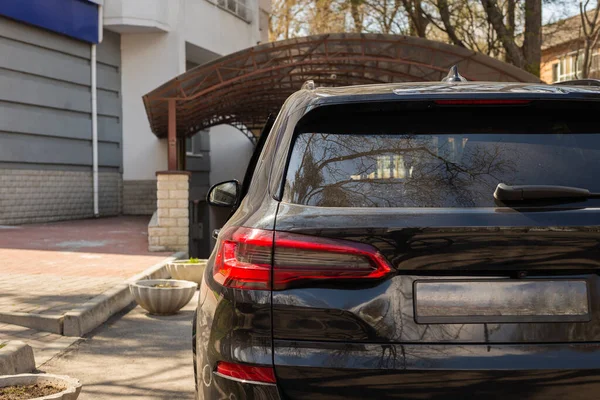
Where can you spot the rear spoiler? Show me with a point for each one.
(580, 82)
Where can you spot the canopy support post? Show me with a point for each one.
(172, 136)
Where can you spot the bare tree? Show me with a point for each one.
(286, 19)
(385, 16)
(590, 28)
(417, 17)
(529, 55)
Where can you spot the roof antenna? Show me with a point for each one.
(309, 85)
(453, 76)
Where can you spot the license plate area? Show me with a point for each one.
(448, 301)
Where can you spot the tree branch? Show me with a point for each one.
(496, 19)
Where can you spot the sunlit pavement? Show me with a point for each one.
(52, 268)
(133, 356)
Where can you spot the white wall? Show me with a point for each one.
(151, 59)
(147, 61)
(217, 30)
(137, 15)
(230, 152)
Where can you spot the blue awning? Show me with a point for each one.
(74, 18)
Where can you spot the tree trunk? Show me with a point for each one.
(591, 34)
(442, 6)
(356, 17)
(496, 19)
(418, 20)
(532, 41)
(510, 24)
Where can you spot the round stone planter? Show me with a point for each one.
(162, 300)
(71, 387)
(186, 271)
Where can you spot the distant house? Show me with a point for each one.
(562, 51)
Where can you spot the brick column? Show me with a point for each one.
(169, 228)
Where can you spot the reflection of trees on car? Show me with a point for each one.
(397, 170)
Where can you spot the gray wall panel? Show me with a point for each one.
(45, 99)
(109, 103)
(23, 118)
(109, 51)
(46, 124)
(16, 147)
(109, 129)
(48, 40)
(20, 87)
(54, 167)
(109, 154)
(108, 77)
(195, 163)
(34, 60)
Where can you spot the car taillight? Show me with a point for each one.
(244, 372)
(245, 256)
(243, 259)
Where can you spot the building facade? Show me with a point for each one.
(48, 51)
(562, 52)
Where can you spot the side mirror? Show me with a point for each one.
(224, 194)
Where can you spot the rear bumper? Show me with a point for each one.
(219, 387)
(319, 370)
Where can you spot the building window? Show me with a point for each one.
(570, 66)
(241, 8)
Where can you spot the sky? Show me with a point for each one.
(559, 9)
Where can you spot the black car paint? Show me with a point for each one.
(357, 341)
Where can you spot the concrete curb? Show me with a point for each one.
(46, 323)
(93, 313)
(16, 358)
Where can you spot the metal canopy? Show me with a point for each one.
(243, 88)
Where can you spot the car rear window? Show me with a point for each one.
(440, 157)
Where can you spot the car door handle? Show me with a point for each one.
(215, 233)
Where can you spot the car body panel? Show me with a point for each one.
(326, 370)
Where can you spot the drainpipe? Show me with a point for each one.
(95, 114)
(94, 131)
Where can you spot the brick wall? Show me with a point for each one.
(169, 228)
(34, 196)
(139, 197)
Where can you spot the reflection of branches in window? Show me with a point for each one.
(308, 176)
(359, 170)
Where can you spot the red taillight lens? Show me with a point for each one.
(481, 102)
(246, 372)
(244, 258)
(306, 258)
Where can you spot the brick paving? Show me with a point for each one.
(51, 268)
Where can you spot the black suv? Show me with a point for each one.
(413, 241)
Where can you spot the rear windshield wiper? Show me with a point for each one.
(533, 193)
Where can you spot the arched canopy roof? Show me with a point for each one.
(243, 88)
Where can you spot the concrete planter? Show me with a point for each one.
(186, 271)
(163, 300)
(71, 386)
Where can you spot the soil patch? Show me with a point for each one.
(164, 285)
(25, 392)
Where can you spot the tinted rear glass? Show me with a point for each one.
(444, 158)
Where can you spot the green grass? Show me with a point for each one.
(190, 261)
